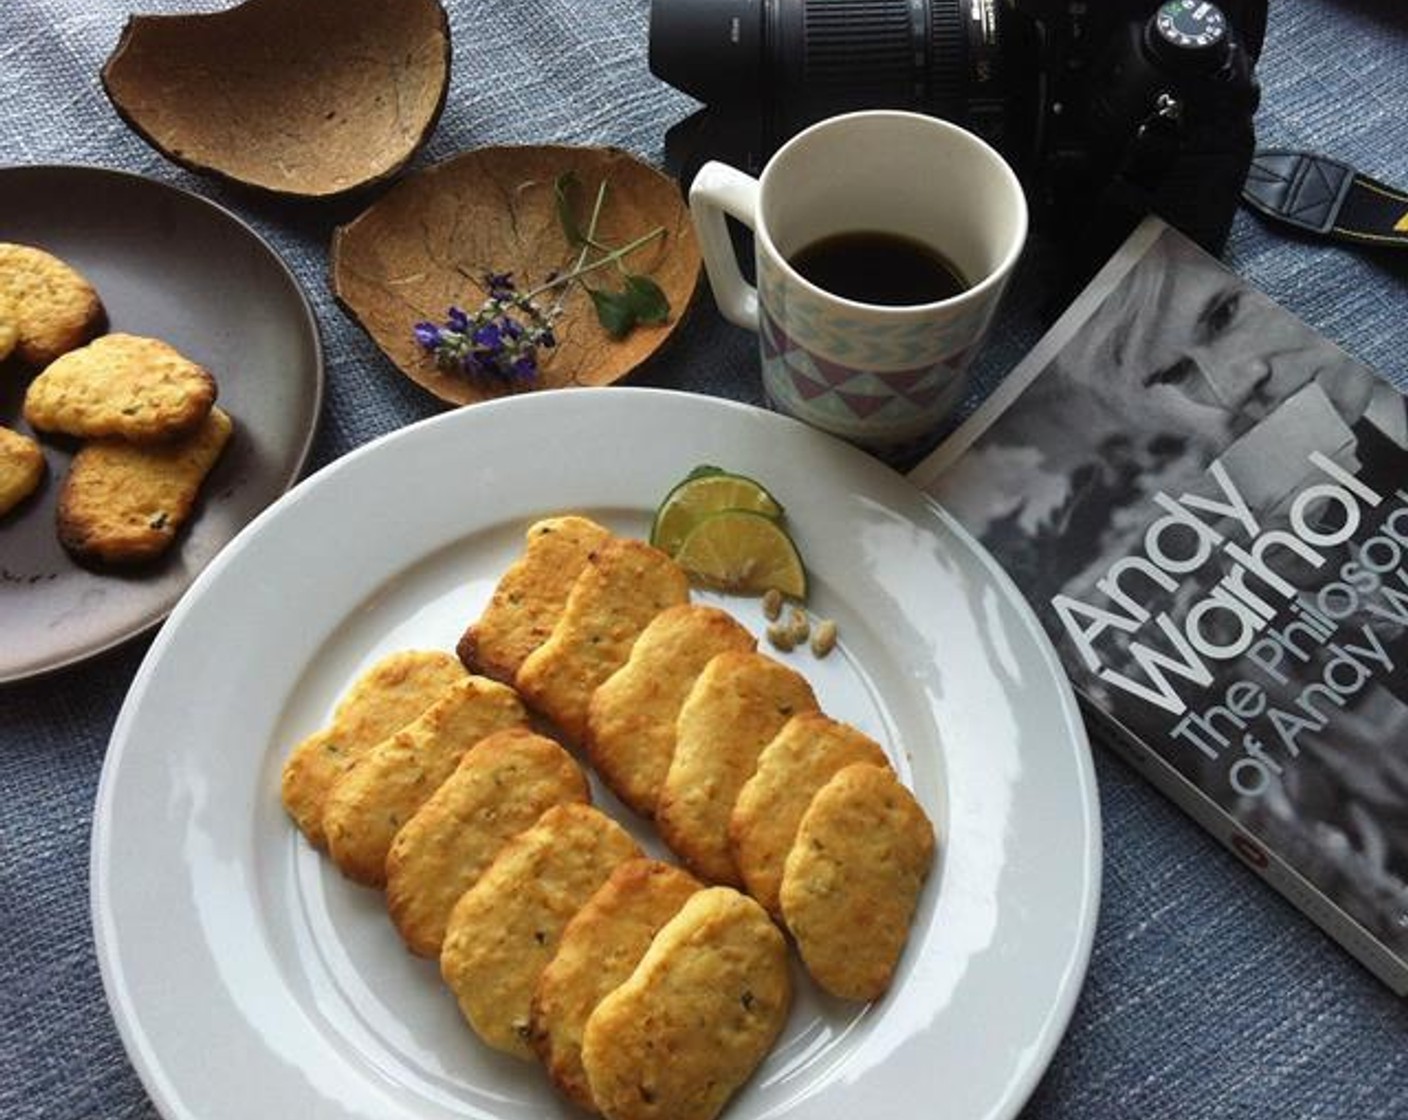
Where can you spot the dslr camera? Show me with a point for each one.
(1107, 109)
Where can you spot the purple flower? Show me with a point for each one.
(500, 340)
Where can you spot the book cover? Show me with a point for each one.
(1206, 503)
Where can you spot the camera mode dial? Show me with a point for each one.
(1188, 36)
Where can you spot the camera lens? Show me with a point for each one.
(851, 53)
(710, 49)
(793, 62)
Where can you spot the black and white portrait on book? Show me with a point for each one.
(1206, 502)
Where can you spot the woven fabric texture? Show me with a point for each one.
(1208, 997)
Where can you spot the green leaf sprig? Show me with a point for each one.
(639, 299)
(503, 337)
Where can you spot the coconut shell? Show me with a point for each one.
(308, 98)
(426, 244)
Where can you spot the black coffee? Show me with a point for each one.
(883, 268)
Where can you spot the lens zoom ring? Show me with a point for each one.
(866, 47)
(948, 56)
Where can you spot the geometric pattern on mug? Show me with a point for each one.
(857, 340)
(850, 397)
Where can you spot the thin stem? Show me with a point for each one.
(581, 270)
(590, 241)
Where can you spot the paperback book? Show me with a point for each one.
(1206, 503)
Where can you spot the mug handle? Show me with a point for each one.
(717, 190)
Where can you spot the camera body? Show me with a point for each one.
(1107, 109)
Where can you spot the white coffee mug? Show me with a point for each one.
(881, 376)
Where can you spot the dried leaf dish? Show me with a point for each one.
(443, 237)
(309, 99)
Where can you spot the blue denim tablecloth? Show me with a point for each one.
(1207, 996)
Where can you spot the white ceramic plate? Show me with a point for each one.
(248, 979)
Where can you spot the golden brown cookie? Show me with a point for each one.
(852, 879)
(505, 928)
(529, 597)
(599, 950)
(21, 468)
(802, 757)
(500, 788)
(367, 806)
(54, 308)
(631, 717)
(9, 325)
(738, 703)
(624, 585)
(696, 1017)
(122, 503)
(121, 386)
(385, 698)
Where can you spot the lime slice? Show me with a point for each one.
(707, 490)
(744, 552)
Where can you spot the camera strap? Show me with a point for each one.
(1323, 196)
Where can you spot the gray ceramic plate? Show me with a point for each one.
(172, 265)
